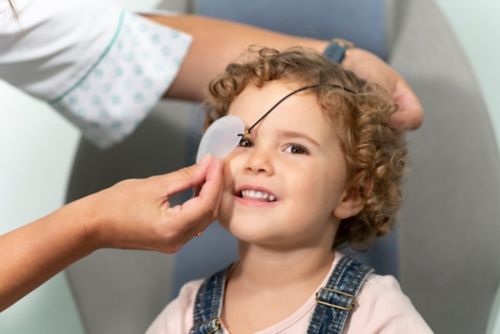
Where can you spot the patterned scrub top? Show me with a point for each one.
(101, 67)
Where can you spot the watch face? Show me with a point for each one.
(335, 53)
(221, 137)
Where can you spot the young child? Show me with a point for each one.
(322, 168)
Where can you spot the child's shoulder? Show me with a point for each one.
(382, 286)
(177, 317)
(382, 304)
(189, 290)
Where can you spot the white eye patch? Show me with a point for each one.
(221, 137)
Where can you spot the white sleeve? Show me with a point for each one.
(103, 68)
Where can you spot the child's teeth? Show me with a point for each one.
(258, 195)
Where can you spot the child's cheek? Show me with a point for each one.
(233, 165)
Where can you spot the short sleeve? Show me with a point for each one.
(101, 67)
(383, 308)
(120, 89)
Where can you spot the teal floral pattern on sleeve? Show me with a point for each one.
(123, 85)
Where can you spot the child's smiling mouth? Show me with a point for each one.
(251, 194)
(257, 195)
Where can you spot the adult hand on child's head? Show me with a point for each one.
(136, 213)
(371, 68)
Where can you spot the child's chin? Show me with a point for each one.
(247, 233)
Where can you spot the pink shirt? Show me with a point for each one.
(382, 308)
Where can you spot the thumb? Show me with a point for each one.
(184, 178)
(410, 114)
(202, 209)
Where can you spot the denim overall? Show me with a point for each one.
(335, 300)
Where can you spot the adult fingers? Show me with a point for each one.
(213, 182)
(203, 208)
(182, 179)
(410, 114)
(197, 213)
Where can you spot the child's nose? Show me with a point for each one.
(259, 161)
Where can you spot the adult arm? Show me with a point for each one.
(104, 68)
(133, 214)
(217, 43)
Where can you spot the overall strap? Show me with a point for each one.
(208, 304)
(337, 298)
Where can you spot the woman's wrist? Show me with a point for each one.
(350, 57)
(81, 215)
(316, 44)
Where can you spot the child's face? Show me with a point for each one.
(284, 184)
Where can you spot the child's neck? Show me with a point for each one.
(259, 266)
(272, 284)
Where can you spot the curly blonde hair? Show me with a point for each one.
(375, 151)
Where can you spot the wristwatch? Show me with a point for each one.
(335, 51)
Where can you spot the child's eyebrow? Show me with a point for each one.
(291, 133)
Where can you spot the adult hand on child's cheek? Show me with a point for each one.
(136, 213)
(371, 68)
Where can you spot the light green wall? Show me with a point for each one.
(477, 26)
(36, 148)
(49, 309)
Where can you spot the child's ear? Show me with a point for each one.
(351, 203)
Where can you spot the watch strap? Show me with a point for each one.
(336, 50)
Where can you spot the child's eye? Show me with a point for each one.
(245, 142)
(296, 149)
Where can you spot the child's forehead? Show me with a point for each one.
(299, 112)
(288, 101)
(254, 101)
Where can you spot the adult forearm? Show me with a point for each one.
(32, 254)
(215, 44)
(132, 214)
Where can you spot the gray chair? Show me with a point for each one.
(450, 221)
(447, 236)
(363, 22)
